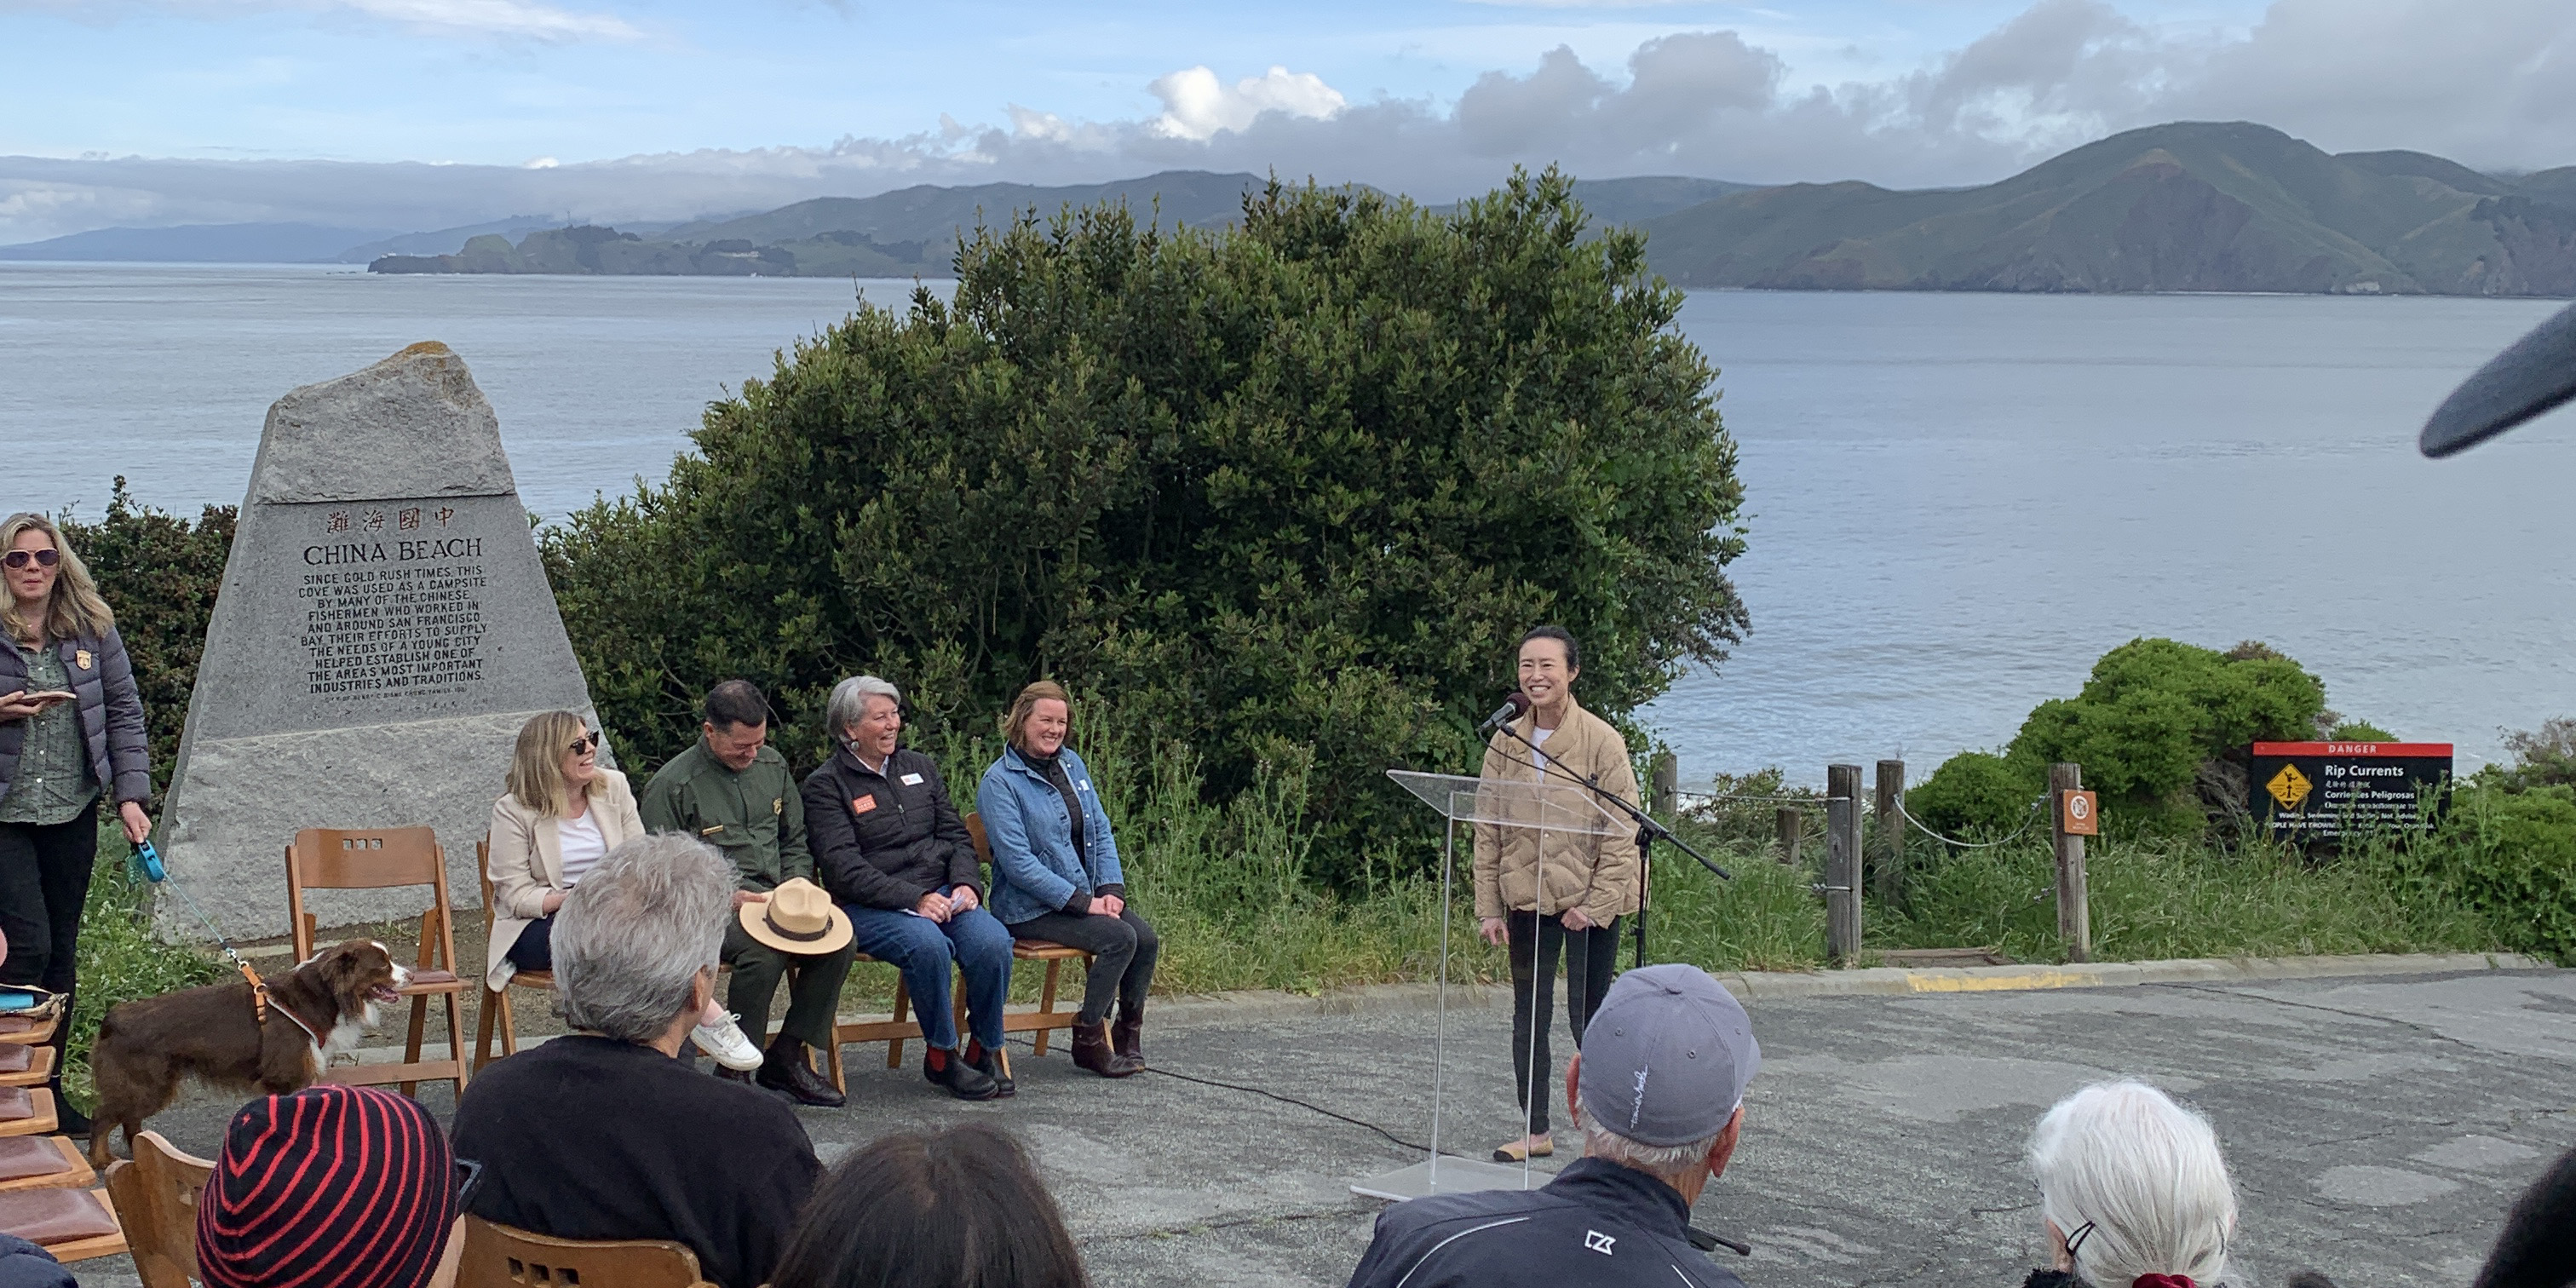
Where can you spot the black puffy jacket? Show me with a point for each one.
(885, 840)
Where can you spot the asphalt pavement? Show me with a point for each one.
(2377, 1126)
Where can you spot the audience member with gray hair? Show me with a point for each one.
(603, 1133)
(1658, 1090)
(2133, 1192)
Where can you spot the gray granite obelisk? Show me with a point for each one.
(383, 629)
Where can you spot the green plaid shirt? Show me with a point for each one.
(53, 783)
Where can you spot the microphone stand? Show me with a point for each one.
(1648, 831)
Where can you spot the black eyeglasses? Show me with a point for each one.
(583, 743)
(40, 558)
(469, 1178)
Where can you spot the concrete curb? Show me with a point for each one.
(1766, 986)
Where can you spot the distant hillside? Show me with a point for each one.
(2187, 207)
(200, 244)
(449, 240)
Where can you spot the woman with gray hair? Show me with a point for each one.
(893, 851)
(603, 1133)
(2132, 1190)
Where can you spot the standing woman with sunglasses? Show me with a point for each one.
(71, 732)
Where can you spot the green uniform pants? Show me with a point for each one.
(813, 988)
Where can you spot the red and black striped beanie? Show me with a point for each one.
(332, 1187)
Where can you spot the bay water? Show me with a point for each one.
(1955, 502)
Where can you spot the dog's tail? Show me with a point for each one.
(2538, 1246)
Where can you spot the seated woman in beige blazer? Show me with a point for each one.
(560, 817)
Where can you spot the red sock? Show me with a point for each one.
(938, 1059)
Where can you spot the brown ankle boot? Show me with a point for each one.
(1091, 1050)
(1127, 1036)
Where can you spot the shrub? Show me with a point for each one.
(2543, 757)
(1976, 793)
(2510, 855)
(159, 573)
(1287, 493)
(2358, 731)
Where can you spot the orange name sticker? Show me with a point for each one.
(862, 804)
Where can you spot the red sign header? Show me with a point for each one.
(2410, 749)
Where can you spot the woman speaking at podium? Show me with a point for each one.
(1553, 893)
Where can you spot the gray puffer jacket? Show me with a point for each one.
(111, 714)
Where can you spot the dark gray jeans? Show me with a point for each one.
(1591, 962)
(1122, 948)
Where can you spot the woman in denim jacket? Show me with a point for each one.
(1056, 878)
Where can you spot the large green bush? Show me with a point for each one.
(2152, 713)
(2510, 855)
(1286, 493)
(159, 573)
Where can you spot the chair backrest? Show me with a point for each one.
(975, 830)
(324, 858)
(483, 874)
(501, 1256)
(155, 1194)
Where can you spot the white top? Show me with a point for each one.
(581, 843)
(1538, 740)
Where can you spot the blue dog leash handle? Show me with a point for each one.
(149, 860)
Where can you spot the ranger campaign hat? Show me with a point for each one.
(1667, 1057)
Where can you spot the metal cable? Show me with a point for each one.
(1972, 845)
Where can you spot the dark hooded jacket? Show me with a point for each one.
(883, 840)
(111, 714)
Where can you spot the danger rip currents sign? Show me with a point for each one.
(2323, 791)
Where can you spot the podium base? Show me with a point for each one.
(1457, 1176)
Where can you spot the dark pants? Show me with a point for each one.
(1591, 959)
(44, 880)
(813, 988)
(924, 950)
(534, 949)
(1122, 948)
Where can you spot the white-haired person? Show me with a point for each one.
(562, 813)
(2133, 1192)
(1658, 1091)
(602, 1133)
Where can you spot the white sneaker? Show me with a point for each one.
(727, 1044)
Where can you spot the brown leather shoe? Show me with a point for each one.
(788, 1070)
(1091, 1050)
(1127, 1036)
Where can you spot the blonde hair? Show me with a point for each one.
(74, 610)
(536, 767)
(1017, 722)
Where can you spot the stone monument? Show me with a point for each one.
(383, 629)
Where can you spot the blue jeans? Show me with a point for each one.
(923, 949)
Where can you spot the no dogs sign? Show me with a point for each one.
(2322, 791)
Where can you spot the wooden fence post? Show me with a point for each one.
(1842, 863)
(1888, 865)
(1789, 823)
(2074, 915)
(1668, 784)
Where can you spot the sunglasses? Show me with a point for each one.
(583, 743)
(40, 558)
(469, 1180)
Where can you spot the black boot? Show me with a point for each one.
(963, 1080)
(69, 1121)
(995, 1064)
(1091, 1051)
(1127, 1036)
(788, 1070)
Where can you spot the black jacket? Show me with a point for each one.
(1597, 1223)
(885, 840)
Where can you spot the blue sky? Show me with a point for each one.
(161, 111)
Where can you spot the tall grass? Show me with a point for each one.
(120, 960)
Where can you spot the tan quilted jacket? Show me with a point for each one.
(1597, 872)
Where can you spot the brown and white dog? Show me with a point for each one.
(315, 1011)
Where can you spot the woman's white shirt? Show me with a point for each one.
(581, 844)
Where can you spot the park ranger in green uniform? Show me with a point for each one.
(733, 792)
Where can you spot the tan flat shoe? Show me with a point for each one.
(1520, 1151)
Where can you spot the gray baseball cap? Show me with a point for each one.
(1667, 1057)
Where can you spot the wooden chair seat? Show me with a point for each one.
(377, 859)
(50, 1162)
(501, 1256)
(155, 1193)
(59, 1208)
(28, 1029)
(42, 1118)
(34, 1065)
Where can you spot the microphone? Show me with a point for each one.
(1512, 709)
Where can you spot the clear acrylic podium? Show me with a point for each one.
(1539, 806)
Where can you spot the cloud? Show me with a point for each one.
(2491, 85)
(510, 19)
(1197, 106)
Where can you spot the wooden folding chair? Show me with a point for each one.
(894, 1031)
(497, 1003)
(35, 1115)
(31, 1214)
(386, 858)
(1045, 1020)
(501, 1256)
(22, 1065)
(63, 1165)
(155, 1193)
